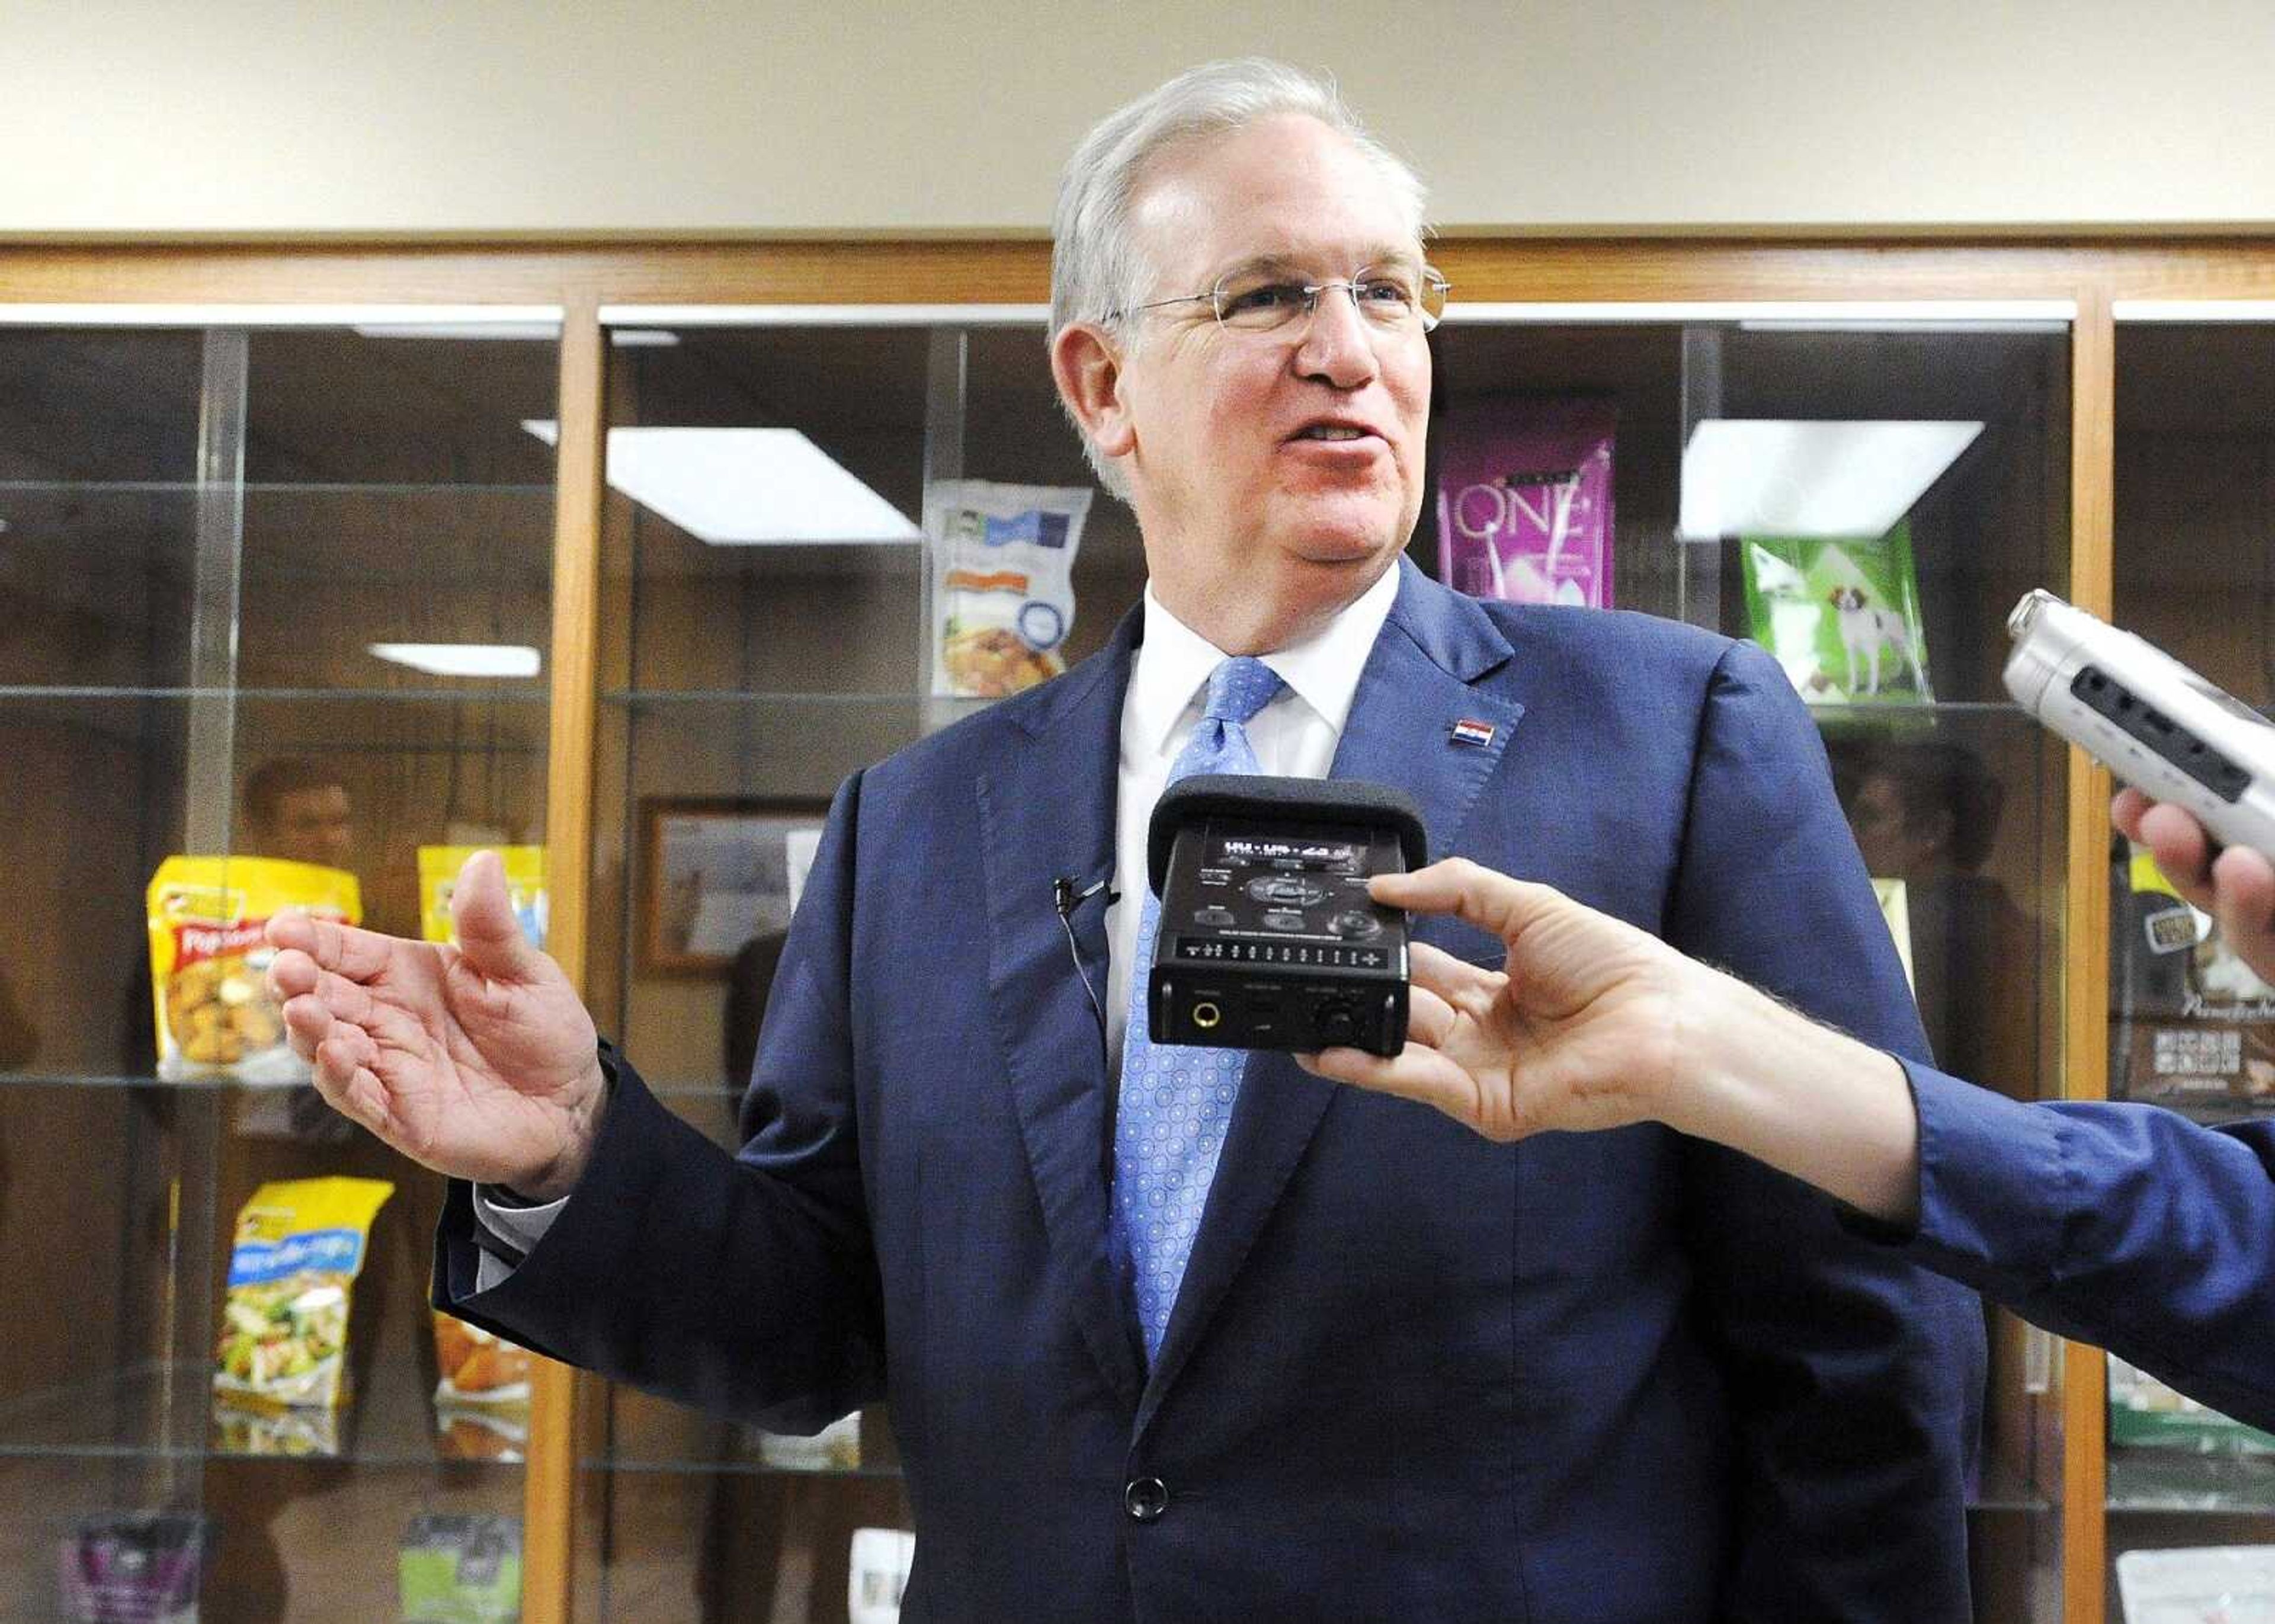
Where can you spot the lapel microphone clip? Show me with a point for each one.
(1066, 898)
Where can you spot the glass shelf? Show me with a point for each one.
(255, 696)
(742, 1465)
(98, 734)
(254, 487)
(637, 698)
(142, 1082)
(169, 641)
(2209, 1112)
(109, 583)
(2157, 1480)
(647, 1435)
(673, 1088)
(197, 1085)
(2004, 1489)
(295, 1539)
(166, 1410)
(912, 714)
(1847, 714)
(738, 696)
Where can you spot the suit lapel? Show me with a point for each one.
(1418, 721)
(1415, 688)
(1047, 809)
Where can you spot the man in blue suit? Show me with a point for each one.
(1347, 1360)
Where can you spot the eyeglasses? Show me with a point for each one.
(1391, 298)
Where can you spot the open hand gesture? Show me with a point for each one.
(476, 1060)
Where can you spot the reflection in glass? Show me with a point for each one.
(184, 669)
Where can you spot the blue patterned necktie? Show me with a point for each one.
(1176, 1101)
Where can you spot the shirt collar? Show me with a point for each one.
(1174, 664)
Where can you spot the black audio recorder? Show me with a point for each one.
(1268, 939)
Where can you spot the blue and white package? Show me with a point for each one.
(1003, 581)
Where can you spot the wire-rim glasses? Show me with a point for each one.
(1393, 297)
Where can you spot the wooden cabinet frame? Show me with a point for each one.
(2089, 276)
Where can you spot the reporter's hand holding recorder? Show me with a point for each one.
(2235, 885)
(1595, 1023)
(2123, 1224)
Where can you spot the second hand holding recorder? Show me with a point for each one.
(2146, 717)
(1268, 939)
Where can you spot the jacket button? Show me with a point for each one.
(1145, 1498)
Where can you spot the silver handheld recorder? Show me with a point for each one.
(2146, 717)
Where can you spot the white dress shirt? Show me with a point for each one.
(1294, 736)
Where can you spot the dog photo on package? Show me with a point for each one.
(1841, 616)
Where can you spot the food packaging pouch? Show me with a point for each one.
(524, 888)
(209, 961)
(1524, 500)
(480, 1371)
(300, 1243)
(1002, 580)
(458, 1567)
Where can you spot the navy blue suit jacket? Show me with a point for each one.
(2123, 1224)
(1411, 1374)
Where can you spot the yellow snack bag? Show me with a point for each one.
(210, 961)
(300, 1243)
(525, 885)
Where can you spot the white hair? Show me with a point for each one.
(1099, 268)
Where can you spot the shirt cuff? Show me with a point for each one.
(507, 1226)
(506, 1217)
(1995, 1194)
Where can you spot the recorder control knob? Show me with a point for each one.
(1287, 890)
(1355, 923)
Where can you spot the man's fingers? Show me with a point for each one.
(1417, 1073)
(2180, 847)
(1451, 979)
(1491, 902)
(1430, 1019)
(481, 913)
(306, 1023)
(291, 973)
(2247, 878)
(2125, 811)
(332, 1008)
(347, 1052)
(336, 997)
(343, 1076)
(2236, 887)
(349, 1001)
(2243, 895)
(358, 955)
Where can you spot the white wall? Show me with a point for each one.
(419, 116)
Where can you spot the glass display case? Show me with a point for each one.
(2195, 574)
(221, 545)
(224, 529)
